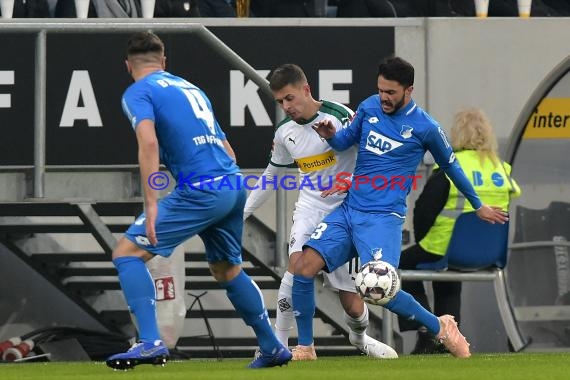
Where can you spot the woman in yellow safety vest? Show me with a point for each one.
(439, 205)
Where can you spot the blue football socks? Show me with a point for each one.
(248, 302)
(139, 292)
(304, 307)
(406, 306)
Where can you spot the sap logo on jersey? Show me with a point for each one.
(380, 144)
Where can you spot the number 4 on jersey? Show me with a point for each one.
(200, 107)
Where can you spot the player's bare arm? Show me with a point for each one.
(492, 214)
(337, 188)
(333, 190)
(325, 128)
(149, 163)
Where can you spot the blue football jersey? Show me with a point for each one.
(391, 147)
(189, 136)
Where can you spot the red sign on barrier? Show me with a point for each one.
(164, 288)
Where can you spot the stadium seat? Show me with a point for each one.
(477, 251)
(474, 245)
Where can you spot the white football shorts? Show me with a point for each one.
(304, 223)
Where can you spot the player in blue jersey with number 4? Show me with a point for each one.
(173, 120)
(393, 134)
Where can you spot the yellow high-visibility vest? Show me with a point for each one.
(492, 184)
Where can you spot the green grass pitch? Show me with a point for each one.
(548, 366)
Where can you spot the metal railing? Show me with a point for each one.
(44, 27)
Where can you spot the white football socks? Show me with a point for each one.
(357, 327)
(285, 320)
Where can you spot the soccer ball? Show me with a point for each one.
(377, 282)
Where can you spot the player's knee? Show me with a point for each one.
(293, 260)
(303, 271)
(126, 248)
(223, 271)
(309, 263)
(352, 303)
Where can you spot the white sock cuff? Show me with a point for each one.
(287, 278)
(364, 315)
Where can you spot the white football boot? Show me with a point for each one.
(374, 348)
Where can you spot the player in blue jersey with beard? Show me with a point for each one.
(393, 134)
(174, 117)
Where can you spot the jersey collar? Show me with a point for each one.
(305, 122)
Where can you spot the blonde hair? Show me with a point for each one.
(472, 130)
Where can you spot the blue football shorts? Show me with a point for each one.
(216, 215)
(376, 236)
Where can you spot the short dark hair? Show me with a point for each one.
(286, 74)
(144, 43)
(397, 69)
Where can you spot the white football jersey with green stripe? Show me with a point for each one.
(318, 163)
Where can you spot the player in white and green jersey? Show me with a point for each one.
(319, 165)
(295, 141)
